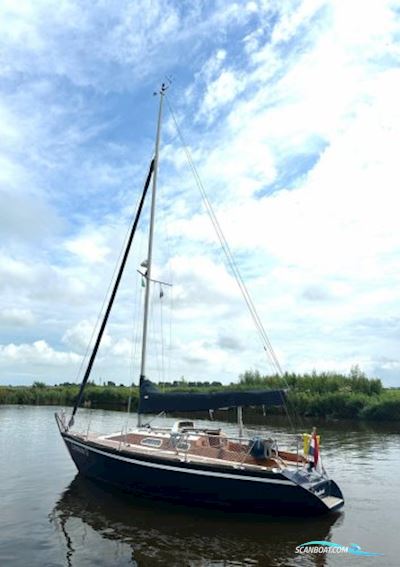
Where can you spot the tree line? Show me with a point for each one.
(323, 394)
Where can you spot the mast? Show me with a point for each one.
(150, 247)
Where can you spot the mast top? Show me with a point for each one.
(164, 87)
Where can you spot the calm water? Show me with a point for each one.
(49, 516)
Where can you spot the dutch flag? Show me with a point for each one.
(313, 450)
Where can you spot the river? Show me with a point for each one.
(50, 516)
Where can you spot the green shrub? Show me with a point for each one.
(387, 409)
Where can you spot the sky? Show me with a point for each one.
(290, 112)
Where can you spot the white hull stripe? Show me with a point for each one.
(181, 469)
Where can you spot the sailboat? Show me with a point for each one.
(190, 464)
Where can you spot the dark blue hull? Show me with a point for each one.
(194, 484)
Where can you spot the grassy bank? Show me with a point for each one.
(94, 396)
(332, 395)
(323, 395)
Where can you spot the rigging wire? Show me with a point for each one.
(139, 304)
(106, 295)
(153, 330)
(264, 339)
(171, 311)
(161, 294)
(170, 293)
(134, 344)
(228, 253)
(135, 331)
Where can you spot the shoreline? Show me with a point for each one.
(336, 405)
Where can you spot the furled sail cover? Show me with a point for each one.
(154, 401)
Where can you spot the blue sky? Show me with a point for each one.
(290, 110)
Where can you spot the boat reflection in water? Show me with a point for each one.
(104, 526)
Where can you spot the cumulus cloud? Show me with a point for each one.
(81, 335)
(88, 248)
(37, 353)
(16, 317)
